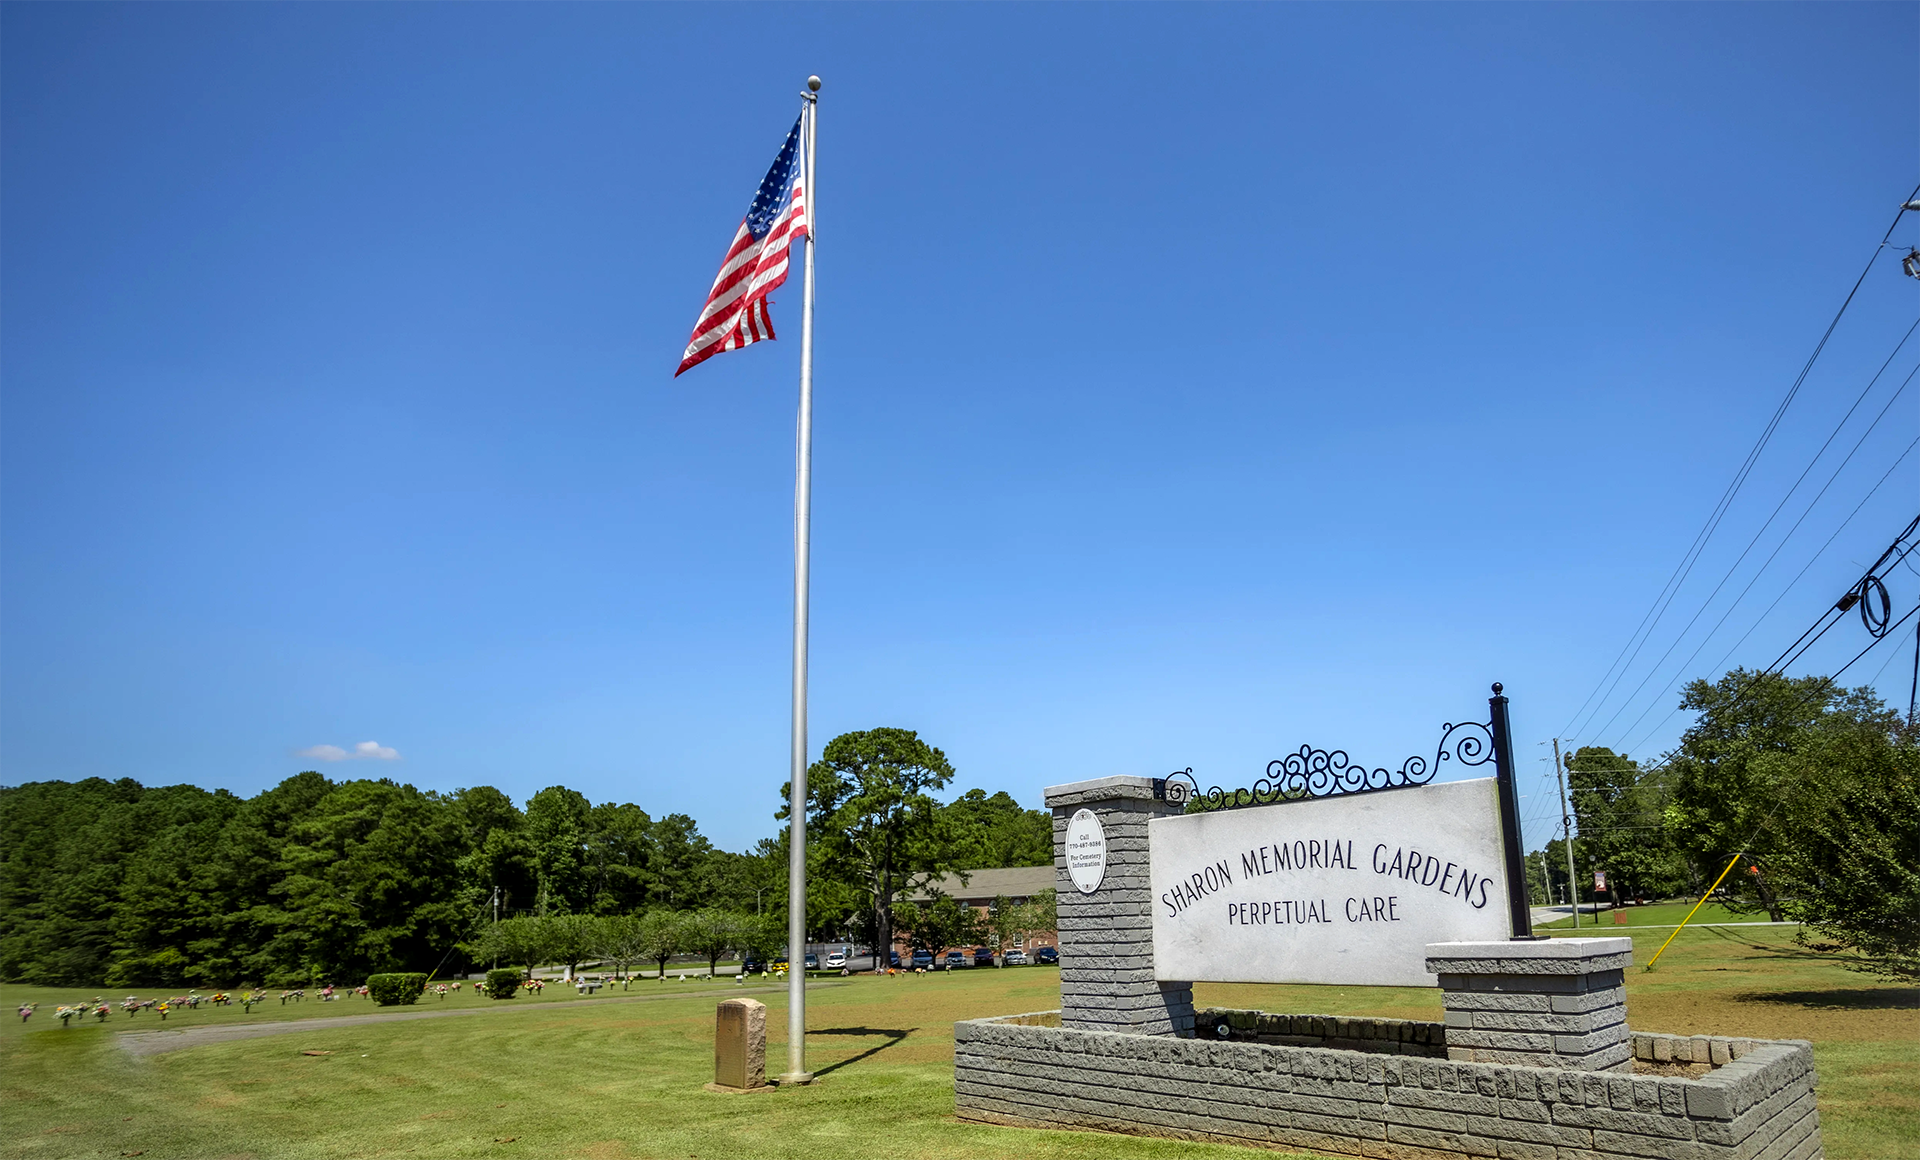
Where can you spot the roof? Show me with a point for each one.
(986, 885)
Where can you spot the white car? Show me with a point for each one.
(835, 961)
(1015, 959)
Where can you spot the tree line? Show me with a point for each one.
(712, 933)
(1815, 787)
(116, 883)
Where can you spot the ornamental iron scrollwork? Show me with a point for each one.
(1320, 773)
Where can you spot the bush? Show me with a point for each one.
(400, 989)
(501, 984)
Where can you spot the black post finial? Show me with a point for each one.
(1496, 688)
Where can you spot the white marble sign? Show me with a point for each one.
(1086, 851)
(1346, 889)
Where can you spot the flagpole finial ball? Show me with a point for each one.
(813, 84)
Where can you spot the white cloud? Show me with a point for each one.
(364, 751)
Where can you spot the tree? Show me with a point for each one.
(1039, 914)
(871, 815)
(619, 941)
(938, 923)
(515, 940)
(1735, 767)
(995, 831)
(710, 931)
(680, 855)
(1846, 854)
(618, 858)
(999, 925)
(365, 885)
(569, 938)
(660, 936)
(558, 820)
(497, 859)
(1618, 809)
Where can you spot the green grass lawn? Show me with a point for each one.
(621, 1076)
(1658, 914)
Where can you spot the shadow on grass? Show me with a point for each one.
(894, 1035)
(1839, 998)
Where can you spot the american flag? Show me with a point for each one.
(736, 310)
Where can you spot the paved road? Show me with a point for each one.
(155, 1042)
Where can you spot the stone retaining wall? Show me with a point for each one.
(1758, 1105)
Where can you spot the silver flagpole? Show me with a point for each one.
(797, 1072)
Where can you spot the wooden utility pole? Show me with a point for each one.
(1566, 822)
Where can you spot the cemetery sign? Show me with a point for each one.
(1342, 890)
(1340, 874)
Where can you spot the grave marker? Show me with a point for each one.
(740, 1046)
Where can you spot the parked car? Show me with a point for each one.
(923, 960)
(835, 961)
(813, 962)
(957, 960)
(752, 966)
(982, 957)
(1046, 955)
(893, 959)
(1015, 958)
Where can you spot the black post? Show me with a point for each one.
(1519, 909)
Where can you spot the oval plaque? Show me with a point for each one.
(1086, 851)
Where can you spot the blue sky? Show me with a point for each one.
(1193, 382)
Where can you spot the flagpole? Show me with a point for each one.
(797, 1072)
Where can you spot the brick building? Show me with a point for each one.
(1017, 883)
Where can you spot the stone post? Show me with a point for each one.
(1553, 1003)
(740, 1046)
(1106, 937)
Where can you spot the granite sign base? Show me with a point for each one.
(1703, 1098)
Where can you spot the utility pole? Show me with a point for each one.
(496, 922)
(1566, 822)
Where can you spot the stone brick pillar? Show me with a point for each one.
(1106, 937)
(1553, 1003)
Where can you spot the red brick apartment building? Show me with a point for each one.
(982, 887)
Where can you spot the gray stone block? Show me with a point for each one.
(1497, 1001)
(1593, 1041)
(1594, 1000)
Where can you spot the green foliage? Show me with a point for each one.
(1747, 755)
(117, 883)
(617, 939)
(996, 831)
(502, 983)
(514, 940)
(711, 933)
(1040, 914)
(114, 883)
(938, 924)
(872, 823)
(1848, 859)
(568, 938)
(660, 936)
(396, 989)
(1619, 814)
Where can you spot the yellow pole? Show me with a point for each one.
(1696, 908)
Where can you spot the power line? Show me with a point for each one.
(1815, 502)
(1692, 556)
(1825, 685)
(1762, 618)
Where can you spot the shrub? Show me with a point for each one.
(501, 984)
(400, 989)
